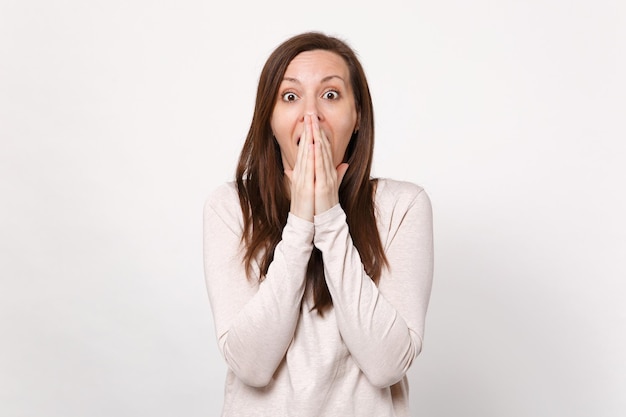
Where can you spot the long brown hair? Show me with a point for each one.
(263, 195)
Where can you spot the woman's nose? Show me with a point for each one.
(311, 109)
(313, 115)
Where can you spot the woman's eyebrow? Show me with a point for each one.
(325, 79)
(330, 77)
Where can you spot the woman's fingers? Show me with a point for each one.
(310, 153)
(302, 178)
(314, 179)
(323, 154)
(326, 175)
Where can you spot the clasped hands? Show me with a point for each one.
(314, 180)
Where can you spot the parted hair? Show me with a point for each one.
(263, 192)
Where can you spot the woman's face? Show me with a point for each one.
(316, 83)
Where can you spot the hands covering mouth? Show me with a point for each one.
(314, 180)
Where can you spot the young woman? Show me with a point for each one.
(318, 275)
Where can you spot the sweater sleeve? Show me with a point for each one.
(254, 321)
(381, 326)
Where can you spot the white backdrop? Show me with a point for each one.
(118, 118)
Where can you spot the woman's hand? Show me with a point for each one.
(314, 180)
(327, 176)
(302, 177)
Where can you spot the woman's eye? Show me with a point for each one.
(331, 95)
(289, 97)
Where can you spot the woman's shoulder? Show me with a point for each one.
(395, 199)
(224, 190)
(392, 190)
(223, 198)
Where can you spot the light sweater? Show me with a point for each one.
(283, 358)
